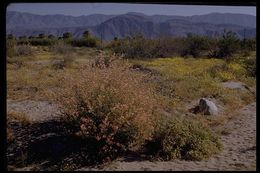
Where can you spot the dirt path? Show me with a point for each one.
(239, 150)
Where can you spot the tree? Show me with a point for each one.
(228, 44)
(194, 45)
(66, 35)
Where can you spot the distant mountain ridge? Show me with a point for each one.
(110, 26)
(28, 20)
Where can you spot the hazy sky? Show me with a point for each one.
(77, 9)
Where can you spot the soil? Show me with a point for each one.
(46, 147)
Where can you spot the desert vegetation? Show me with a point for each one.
(129, 94)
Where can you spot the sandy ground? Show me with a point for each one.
(239, 142)
(35, 111)
(239, 151)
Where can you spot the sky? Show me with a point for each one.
(78, 9)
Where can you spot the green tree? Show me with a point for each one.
(194, 45)
(228, 44)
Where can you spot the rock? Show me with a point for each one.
(207, 107)
(234, 85)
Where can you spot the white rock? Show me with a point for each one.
(207, 107)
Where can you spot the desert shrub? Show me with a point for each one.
(67, 35)
(248, 44)
(10, 44)
(42, 41)
(58, 65)
(23, 41)
(19, 117)
(10, 37)
(9, 135)
(85, 42)
(66, 61)
(23, 50)
(132, 47)
(110, 107)
(17, 62)
(194, 45)
(250, 65)
(176, 138)
(137, 47)
(140, 47)
(104, 61)
(225, 76)
(167, 47)
(237, 69)
(61, 48)
(227, 45)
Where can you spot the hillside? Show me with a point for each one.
(110, 26)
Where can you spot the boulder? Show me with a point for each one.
(207, 107)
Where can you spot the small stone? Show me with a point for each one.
(207, 107)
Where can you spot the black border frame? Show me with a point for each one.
(3, 88)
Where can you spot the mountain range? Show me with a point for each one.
(109, 26)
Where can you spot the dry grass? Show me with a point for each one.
(9, 135)
(185, 80)
(111, 105)
(14, 116)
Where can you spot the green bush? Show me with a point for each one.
(42, 41)
(195, 45)
(135, 47)
(84, 42)
(23, 41)
(139, 47)
(176, 138)
(67, 35)
(250, 65)
(228, 45)
(248, 44)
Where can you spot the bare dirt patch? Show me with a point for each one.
(34, 110)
